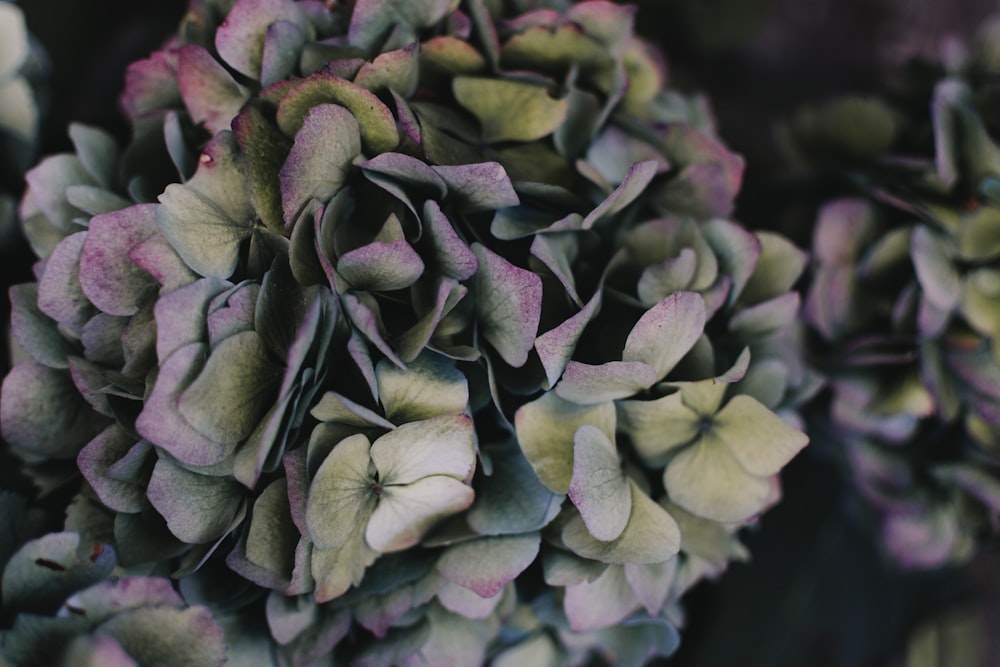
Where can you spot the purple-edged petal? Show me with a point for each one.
(587, 384)
(396, 70)
(318, 163)
(198, 508)
(60, 295)
(487, 564)
(381, 266)
(372, 20)
(43, 415)
(479, 187)
(666, 332)
(454, 258)
(210, 93)
(508, 305)
(110, 446)
(190, 637)
(636, 179)
(240, 39)
(107, 275)
(556, 346)
(151, 85)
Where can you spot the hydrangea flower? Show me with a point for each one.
(375, 316)
(903, 300)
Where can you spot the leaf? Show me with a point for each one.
(760, 440)
(318, 164)
(240, 38)
(430, 386)
(341, 497)
(207, 218)
(666, 332)
(707, 479)
(598, 486)
(508, 305)
(436, 446)
(487, 564)
(545, 431)
(381, 266)
(405, 512)
(376, 123)
(490, 101)
(650, 536)
(108, 277)
(198, 509)
(588, 385)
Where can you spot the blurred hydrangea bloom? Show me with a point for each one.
(425, 318)
(904, 297)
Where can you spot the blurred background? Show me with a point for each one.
(819, 592)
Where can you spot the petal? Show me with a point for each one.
(240, 38)
(107, 275)
(760, 440)
(588, 385)
(666, 332)
(490, 101)
(508, 305)
(657, 427)
(430, 386)
(405, 513)
(436, 446)
(199, 509)
(487, 564)
(598, 487)
(340, 496)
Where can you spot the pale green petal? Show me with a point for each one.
(438, 446)
(341, 496)
(405, 513)
(760, 440)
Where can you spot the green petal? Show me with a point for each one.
(341, 496)
(598, 487)
(657, 427)
(198, 509)
(601, 604)
(651, 535)
(436, 446)
(487, 564)
(545, 431)
(508, 305)
(706, 479)
(497, 511)
(431, 386)
(760, 440)
(337, 570)
(491, 101)
(405, 513)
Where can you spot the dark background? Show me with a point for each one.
(819, 592)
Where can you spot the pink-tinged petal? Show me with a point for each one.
(556, 346)
(587, 384)
(60, 295)
(666, 332)
(181, 315)
(317, 166)
(210, 93)
(598, 487)
(107, 276)
(101, 453)
(454, 257)
(486, 565)
(35, 332)
(43, 415)
(479, 187)
(283, 42)
(151, 85)
(240, 40)
(395, 70)
(161, 423)
(381, 266)
(157, 257)
(639, 176)
(508, 305)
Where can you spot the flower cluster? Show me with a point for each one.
(905, 300)
(425, 318)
